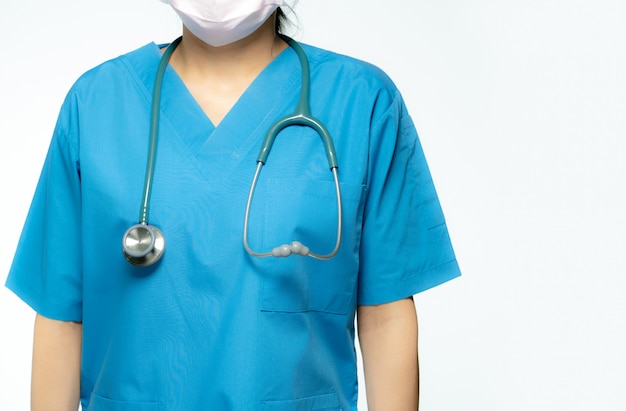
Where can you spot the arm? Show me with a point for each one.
(388, 338)
(55, 384)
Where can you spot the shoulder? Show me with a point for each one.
(344, 65)
(108, 88)
(361, 83)
(354, 86)
(117, 71)
(359, 73)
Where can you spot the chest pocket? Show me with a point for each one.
(98, 403)
(326, 402)
(305, 210)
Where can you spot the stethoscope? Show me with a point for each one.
(143, 244)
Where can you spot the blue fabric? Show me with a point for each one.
(210, 327)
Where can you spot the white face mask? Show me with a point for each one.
(221, 22)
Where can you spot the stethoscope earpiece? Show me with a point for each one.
(143, 244)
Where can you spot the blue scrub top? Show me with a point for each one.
(210, 327)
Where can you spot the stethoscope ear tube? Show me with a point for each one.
(302, 115)
(299, 119)
(295, 247)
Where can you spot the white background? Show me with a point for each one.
(521, 108)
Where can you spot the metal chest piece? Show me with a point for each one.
(143, 244)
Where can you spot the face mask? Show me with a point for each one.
(221, 22)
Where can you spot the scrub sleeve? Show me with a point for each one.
(405, 247)
(46, 270)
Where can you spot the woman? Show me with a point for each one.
(209, 326)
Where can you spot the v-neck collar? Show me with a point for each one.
(271, 95)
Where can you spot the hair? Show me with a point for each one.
(281, 20)
(286, 19)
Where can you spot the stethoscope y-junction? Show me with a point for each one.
(143, 244)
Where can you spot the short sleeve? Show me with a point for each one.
(405, 246)
(46, 269)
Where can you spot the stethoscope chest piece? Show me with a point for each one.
(143, 244)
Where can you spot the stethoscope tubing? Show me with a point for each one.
(143, 244)
(154, 130)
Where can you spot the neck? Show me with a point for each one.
(217, 76)
(245, 57)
